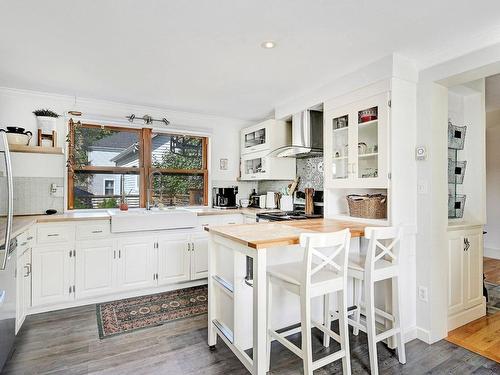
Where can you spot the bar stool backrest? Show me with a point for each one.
(325, 250)
(383, 246)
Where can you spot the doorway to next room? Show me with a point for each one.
(481, 335)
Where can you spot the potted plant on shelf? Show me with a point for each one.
(46, 120)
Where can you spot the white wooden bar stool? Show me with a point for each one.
(380, 263)
(323, 271)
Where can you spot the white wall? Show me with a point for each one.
(16, 108)
(432, 113)
(492, 239)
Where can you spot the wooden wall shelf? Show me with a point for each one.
(36, 149)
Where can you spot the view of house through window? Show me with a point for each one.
(110, 164)
(180, 163)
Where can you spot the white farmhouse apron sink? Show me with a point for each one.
(144, 220)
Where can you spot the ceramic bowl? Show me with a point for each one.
(18, 139)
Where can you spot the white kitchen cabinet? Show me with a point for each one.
(257, 142)
(23, 280)
(465, 276)
(52, 274)
(262, 166)
(173, 259)
(265, 136)
(199, 256)
(50, 233)
(73, 263)
(356, 153)
(95, 268)
(473, 268)
(136, 263)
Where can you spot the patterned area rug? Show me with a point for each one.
(131, 314)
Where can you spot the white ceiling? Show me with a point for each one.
(205, 55)
(493, 93)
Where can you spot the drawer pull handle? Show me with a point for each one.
(53, 235)
(29, 238)
(24, 243)
(97, 231)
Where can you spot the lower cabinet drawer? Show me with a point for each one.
(93, 230)
(50, 233)
(208, 220)
(25, 241)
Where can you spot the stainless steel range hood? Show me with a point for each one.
(307, 136)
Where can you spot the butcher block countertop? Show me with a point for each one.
(273, 234)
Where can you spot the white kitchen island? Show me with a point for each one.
(236, 310)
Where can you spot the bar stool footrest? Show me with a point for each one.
(287, 343)
(328, 331)
(386, 334)
(328, 359)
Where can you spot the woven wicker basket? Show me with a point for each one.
(368, 206)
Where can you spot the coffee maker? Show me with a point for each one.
(225, 197)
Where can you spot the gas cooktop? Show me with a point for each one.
(287, 215)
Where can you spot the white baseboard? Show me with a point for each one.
(410, 334)
(467, 316)
(423, 335)
(491, 253)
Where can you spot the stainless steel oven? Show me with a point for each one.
(7, 255)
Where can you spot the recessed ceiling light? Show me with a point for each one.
(268, 44)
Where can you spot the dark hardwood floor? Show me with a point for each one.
(67, 342)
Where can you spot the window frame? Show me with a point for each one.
(145, 136)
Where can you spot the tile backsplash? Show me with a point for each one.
(32, 196)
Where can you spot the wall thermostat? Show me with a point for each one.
(420, 153)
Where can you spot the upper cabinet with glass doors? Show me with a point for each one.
(257, 143)
(265, 136)
(356, 144)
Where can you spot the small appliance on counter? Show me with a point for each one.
(270, 200)
(225, 198)
(262, 201)
(254, 199)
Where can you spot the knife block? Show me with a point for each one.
(309, 208)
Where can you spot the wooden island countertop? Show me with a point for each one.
(283, 233)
